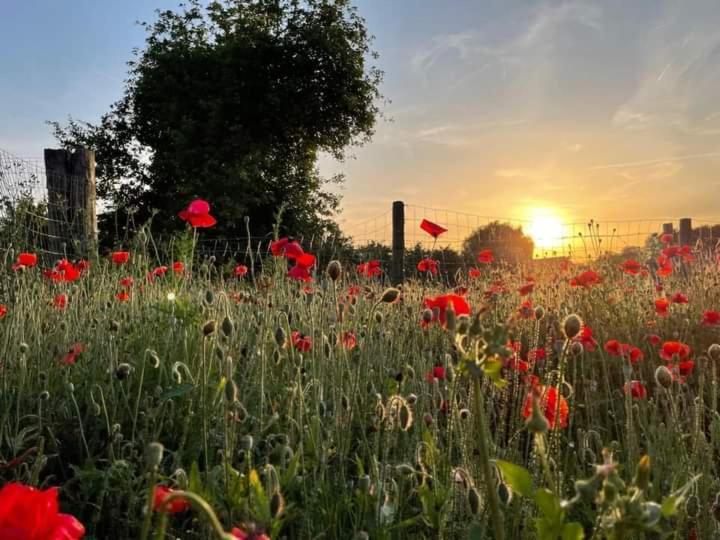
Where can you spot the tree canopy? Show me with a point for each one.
(507, 243)
(234, 102)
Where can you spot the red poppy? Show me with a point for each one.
(525, 311)
(440, 304)
(526, 289)
(83, 265)
(665, 267)
(27, 513)
(588, 278)
(197, 214)
(64, 271)
(495, 290)
(679, 298)
(369, 269)
(178, 267)
(685, 367)
(122, 296)
(711, 318)
(428, 265)
(631, 267)
(586, 338)
(126, 282)
(548, 397)
(160, 271)
(60, 301)
(348, 340)
(671, 348)
(306, 260)
(636, 389)
(70, 357)
(687, 254)
(661, 307)
(175, 506)
(3, 311)
(284, 247)
(519, 365)
(666, 238)
(25, 260)
(654, 339)
(615, 348)
(474, 273)
(120, 257)
(242, 535)
(299, 273)
(635, 354)
(433, 229)
(240, 270)
(485, 256)
(437, 372)
(301, 342)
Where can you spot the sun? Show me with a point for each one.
(546, 229)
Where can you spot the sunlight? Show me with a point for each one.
(546, 228)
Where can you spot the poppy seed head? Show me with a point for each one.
(334, 270)
(572, 325)
(663, 377)
(714, 352)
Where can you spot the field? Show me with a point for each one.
(308, 399)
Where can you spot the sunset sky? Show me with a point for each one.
(590, 109)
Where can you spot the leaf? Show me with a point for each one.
(572, 531)
(517, 477)
(548, 503)
(492, 367)
(672, 502)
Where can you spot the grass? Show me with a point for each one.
(360, 442)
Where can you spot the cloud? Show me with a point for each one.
(654, 161)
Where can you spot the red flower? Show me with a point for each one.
(300, 342)
(286, 248)
(685, 367)
(631, 267)
(485, 256)
(178, 267)
(661, 307)
(526, 289)
(122, 296)
(679, 298)
(687, 254)
(666, 238)
(240, 270)
(64, 271)
(60, 301)
(126, 282)
(711, 318)
(586, 279)
(671, 348)
(654, 339)
(586, 338)
(548, 405)
(160, 271)
(636, 389)
(197, 214)
(120, 257)
(83, 265)
(474, 273)
(635, 354)
(3, 311)
(27, 513)
(242, 535)
(525, 311)
(437, 372)
(369, 269)
(431, 228)
(161, 493)
(71, 356)
(428, 265)
(348, 340)
(615, 348)
(299, 273)
(25, 260)
(440, 304)
(495, 289)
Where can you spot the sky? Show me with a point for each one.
(605, 110)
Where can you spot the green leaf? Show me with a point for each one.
(517, 477)
(669, 506)
(672, 502)
(572, 531)
(549, 504)
(492, 367)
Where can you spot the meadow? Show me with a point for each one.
(296, 397)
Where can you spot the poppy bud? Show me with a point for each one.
(504, 493)
(345, 403)
(714, 352)
(642, 475)
(390, 295)
(334, 270)
(277, 505)
(70, 387)
(154, 454)
(122, 371)
(280, 336)
(24, 347)
(473, 498)
(231, 391)
(537, 423)
(227, 327)
(428, 419)
(692, 506)
(209, 327)
(246, 443)
(427, 316)
(209, 297)
(539, 313)
(572, 325)
(476, 326)
(364, 483)
(663, 377)
(378, 317)
(181, 478)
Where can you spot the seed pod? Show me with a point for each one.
(209, 327)
(280, 336)
(154, 454)
(473, 498)
(537, 423)
(122, 371)
(378, 317)
(476, 326)
(227, 327)
(246, 443)
(427, 316)
(572, 325)
(334, 270)
(576, 349)
(390, 295)
(24, 347)
(714, 352)
(539, 313)
(663, 377)
(209, 297)
(450, 319)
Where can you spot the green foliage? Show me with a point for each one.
(508, 243)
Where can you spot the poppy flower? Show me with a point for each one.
(440, 304)
(197, 214)
(711, 318)
(519, 365)
(299, 273)
(588, 278)
(631, 267)
(306, 260)
(526, 311)
(433, 229)
(240, 270)
(70, 357)
(636, 389)
(474, 273)
(27, 513)
(687, 254)
(64, 271)
(120, 257)
(495, 290)
(665, 267)
(671, 348)
(526, 289)
(679, 298)
(661, 307)
(635, 354)
(284, 247)
(3, 311)
(348, 340)
(159, 271)
(301, 342)
(242, 535)
(126, 282)
(437, 372)
(549, 406)
(369, 269)
(25, 260)
(178, 267)
(428, 265)
(83, 265)
(485, 256)
(685, 367)
(175, 506)
(60, 301)
(615, 348)
(666, 238)
(122, 296)
(654, 339)
(586, 338)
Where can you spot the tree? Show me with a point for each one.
(507, 243)
(233, 102)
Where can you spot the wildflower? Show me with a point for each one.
(631, 267)
(663, 377)
(25, 260)
(64, 271)
(526, 311)
(83, 265)
(585, 337)
(526, 289)
(686, 367)
(711, 318)
(301, 342)
(126, 282)
(549, 405)
(240, 534)
(636, 389)
(348, 340)
(474, 273)
(495, 290)
(661, 307)
(369, 269)
(390, 295)
(122, 296)
(160, 271)
(614, 347)
(666, 238)
(27, 513)
(485, 256)
(665, 267)
(679, 298)
(433, 229)
(178, 267)
(120, 257)
(437, 372)
(70, 357)
(197, 214)
(428, 265)
(240, 270)
(60, 301)
(301, 271)
(670, 349)
(3, 311)
(284, 247)
(440, 304)
(586, 279)
(175, 506)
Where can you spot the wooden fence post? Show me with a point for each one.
(397, 273)
(685, 231)
(72, 219)
(667, 228)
